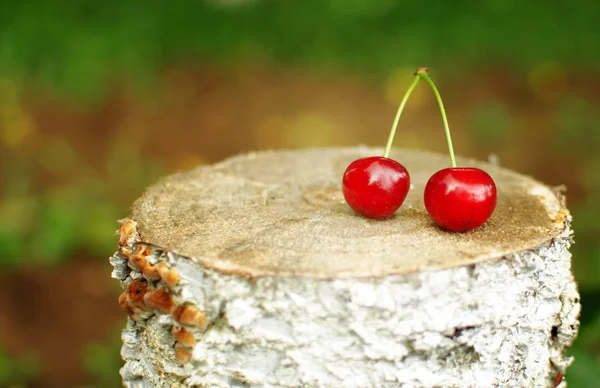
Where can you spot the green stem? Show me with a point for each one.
(444, 118)
(388, 146)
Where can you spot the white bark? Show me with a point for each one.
(503, 321)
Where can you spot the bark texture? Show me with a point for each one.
(236, 275)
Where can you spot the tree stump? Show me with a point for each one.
(253, 272)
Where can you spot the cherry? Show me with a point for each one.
(376, 186)
(458, 198)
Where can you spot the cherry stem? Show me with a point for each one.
(425, 76)
(388, 146)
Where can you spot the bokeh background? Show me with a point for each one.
(99, 99)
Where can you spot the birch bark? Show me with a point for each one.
(253, 272)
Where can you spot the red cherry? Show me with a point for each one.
(375, 186)
(460, 199)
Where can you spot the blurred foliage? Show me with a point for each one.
(490, 123)
(77, 48)
(576, 134)
(17, 372)
(46, 225)
(586, 351)
(576, 131)
(102, 361)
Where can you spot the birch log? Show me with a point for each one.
(254, 273)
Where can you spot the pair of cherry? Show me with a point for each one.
(456, 198)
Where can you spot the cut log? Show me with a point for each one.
(254, 272)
